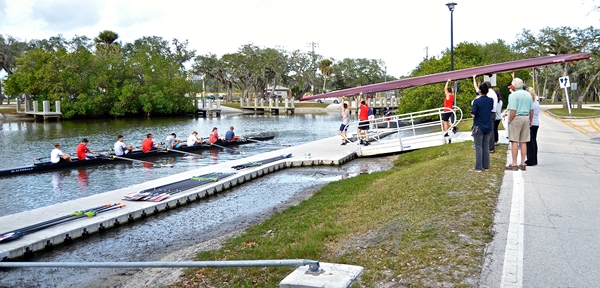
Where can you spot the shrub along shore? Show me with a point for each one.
(426, 222)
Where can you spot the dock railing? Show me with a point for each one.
(414, 124)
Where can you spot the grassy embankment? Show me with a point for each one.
(8, 109)
(425, 222)
(564, 112)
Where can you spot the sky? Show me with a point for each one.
(400, 33)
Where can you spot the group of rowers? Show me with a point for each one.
(120, 148)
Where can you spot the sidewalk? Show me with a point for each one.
(546, 225)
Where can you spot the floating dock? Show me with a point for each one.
(329, 153)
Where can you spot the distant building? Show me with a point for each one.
(283, 91)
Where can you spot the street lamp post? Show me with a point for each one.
(385, 74)
(451, 6)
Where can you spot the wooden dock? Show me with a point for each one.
(44, 114)
(270, 105)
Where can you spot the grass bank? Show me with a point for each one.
(9, 109)
(584, 112)
(425, 222)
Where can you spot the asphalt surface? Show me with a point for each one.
(546, 223)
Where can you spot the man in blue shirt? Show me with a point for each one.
(230, 135)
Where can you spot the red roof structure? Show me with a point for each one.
(453, 75)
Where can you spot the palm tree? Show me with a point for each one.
(326, 70)
(105, 41)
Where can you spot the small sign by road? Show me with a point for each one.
(564, 82)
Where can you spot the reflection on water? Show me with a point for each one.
(28, 140)
(24, 141)
(82, 178)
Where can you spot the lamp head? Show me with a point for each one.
(451, 6)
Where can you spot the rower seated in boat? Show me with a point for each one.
(120, 147)
(148, 144)
(214, 136)
(83, 149)
(58, 156)
(173, 142)
(193, 139)
(230, 135)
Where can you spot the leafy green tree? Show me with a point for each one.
(10, 49)
(301, 78)
(158, 82)
(466, 55)
(350, 73)
(564, 40)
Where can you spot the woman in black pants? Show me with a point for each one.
(532, 147)
(498, 118)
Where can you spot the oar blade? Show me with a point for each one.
(10, 236)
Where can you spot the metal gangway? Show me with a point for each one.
(409, 131)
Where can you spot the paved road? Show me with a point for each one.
(547, 223)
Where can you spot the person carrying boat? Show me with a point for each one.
(214, 136)
(193, 139)
(120, 147)
(363, 125)
(388, 114)
(58, 156)
(345, 121)
(148, 144)
(82, 149)
(448, 107)
(173, 142)
(230, 135)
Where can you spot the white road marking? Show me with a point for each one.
(512, 270)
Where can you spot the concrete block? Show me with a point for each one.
(332, 276)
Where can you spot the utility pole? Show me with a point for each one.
(313, 45)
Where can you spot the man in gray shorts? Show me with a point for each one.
(520, 114)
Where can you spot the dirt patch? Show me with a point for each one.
(158, 277)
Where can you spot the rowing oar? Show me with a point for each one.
(259, 141)
(233, 150)
(9, 236)
(182, 152)
(161, 192)
(259, 163)
(76, 213)
(140, 161)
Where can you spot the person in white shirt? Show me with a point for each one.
(532, 146)
(58, 156)
(193, 139)
(120, 147)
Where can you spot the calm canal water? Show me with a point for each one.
(23, 141)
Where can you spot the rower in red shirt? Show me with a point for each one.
(82, 149)
(214, 136)
(148, 144)
(363, 124)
